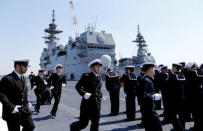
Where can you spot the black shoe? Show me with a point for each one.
(53, 116)
(37, 110)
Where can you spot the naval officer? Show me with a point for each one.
(39, 87)
(56, 82)
(148, 98)
(89, 87)
(198, 97)
(130, 86)
(176, 82)
(13, 95)
(113, 87)
(31, 77)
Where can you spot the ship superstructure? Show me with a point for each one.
(76, 55)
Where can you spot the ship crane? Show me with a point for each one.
(74, 20)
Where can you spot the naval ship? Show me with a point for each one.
(143, 55)
(78, 52)
(89, 45)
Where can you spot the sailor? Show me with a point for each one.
(162, 83)
(138, 92)
(130, 86)
(123, 77)
(176, 84)
(13, 95)
(40, 85)
(113, 88)
(148, 96)
(197, 109)
(57, 81)
(89, 87)
(156, 85)
(31, 77)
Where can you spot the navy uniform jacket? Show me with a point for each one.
(191, 84)
(57, 81)
(139, 88)
(31, 77)
(40, 83)
(91, 84)
(130, 83)
(160, 82)
(146, 92)
(112, 82)
(13, 92)
(176, 83)
(198, 89)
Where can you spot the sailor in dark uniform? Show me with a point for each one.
(39, 87)
(176, 84)
(57, 81)
(130, 85)
(31, 77)
(148, 97)
(13, 95)
(113, 88)
(123, 77)
(157, 85)
(138, 93)
(89, 87)
(198, 97)
(182, 66)
(162, 84)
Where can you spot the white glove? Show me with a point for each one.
(103, 98)
(51, 87)
(63, 85)
(87, 95)
(45, 82)
(125, 95)
(156, 96)
(16, 109)
(29, 105)
(34, 87)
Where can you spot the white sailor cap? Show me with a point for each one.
(108, 68)
(159, 67)
(42, 70)
(59, 65)
(129, 66)
(182, 63)
(189, 65)
(163, 67)
(147, 65)
(95, 62)
(177, 65)
(22, 62)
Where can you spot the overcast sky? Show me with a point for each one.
(173, 29)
